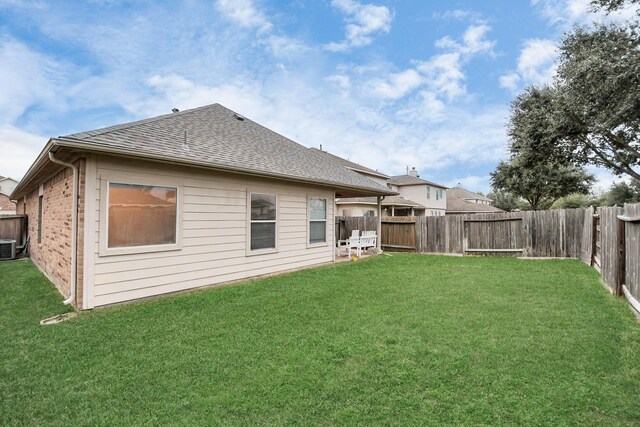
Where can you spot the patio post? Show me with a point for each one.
(379, 239)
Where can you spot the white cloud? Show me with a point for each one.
(27, 78)
(340, 80)
(244, 13)
(566, 13)
(473, 41)
(472, 183)
(396, 85)
(23, 148)
(536, 65)
(442, 74)
(510, 81)
(363, 21)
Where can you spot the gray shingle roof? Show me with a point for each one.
(463, 193)
(411, 180)
(349, 164)
(217, 136)
(456, 205)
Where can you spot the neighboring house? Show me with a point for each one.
(7, 185)
(367, 206)
(428, 194)
(179, 201)
(462, 201)
(468, 196)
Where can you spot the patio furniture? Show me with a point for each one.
(349, 243)
(366, 241)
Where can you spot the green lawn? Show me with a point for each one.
(400, 340)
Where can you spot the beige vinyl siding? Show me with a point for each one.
(418, 193)
(356, 209)
(214, 233)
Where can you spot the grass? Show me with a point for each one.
(402, 340)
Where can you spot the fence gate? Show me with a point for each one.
(492, 236)
(399, 234)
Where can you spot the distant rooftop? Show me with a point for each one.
(463, 193)
(412, 180)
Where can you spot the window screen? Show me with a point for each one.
(263, 221)
(141, 215)
(317, 220)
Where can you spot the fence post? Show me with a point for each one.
(594, 237)
(620, 276)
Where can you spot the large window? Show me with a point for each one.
(428, 192)
(263, 221)
(141, 215)
(317, 220)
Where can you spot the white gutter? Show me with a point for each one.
(74, 227)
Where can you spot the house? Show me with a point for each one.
(7, 185)
(463, 201)
(428, 194)
(392, 205)
(179, 201)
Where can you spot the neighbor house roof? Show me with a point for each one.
(411, 180)
(214, 137)
(387, 201)
(465, 194)
(351, 165)
(457, 205)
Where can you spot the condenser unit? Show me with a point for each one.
(7, 249)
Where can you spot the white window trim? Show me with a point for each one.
(252, 252)
(125, 178)
(326, 222)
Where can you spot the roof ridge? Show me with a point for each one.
(127, 125)
(342, 159)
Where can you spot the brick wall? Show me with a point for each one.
(53, 254)
(6, 204)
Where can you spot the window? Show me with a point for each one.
(40, 212)
(369, 213)
(141, 215)
(428, 192)
(317, 220)
(263, 221)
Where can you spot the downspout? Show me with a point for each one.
(74, 227)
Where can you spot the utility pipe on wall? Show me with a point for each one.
(74, 227)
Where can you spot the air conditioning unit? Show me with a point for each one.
(7, 249)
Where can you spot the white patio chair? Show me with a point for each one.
(349, 243)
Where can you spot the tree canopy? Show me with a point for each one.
(538, 170)
(594, 106)
(540, 183)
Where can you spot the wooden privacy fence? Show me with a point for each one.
(13, 227)
(607, 238)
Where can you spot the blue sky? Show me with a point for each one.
(388, 84)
